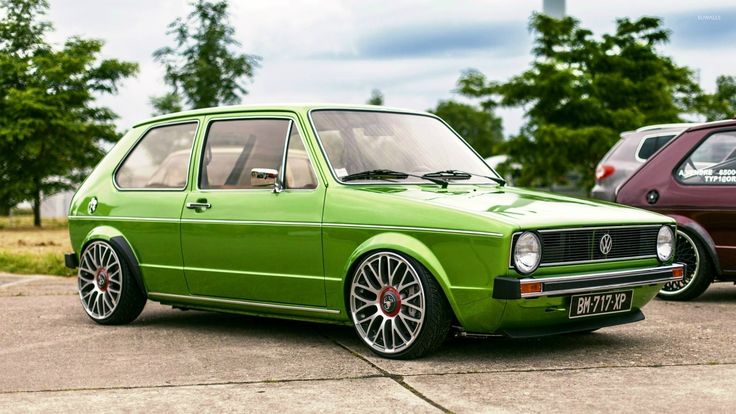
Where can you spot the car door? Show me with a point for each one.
(705, 182)
(242, 237)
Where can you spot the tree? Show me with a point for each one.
(721, 104)
(376, 97)
(203, 68)
(51, 131)
(581, 92)
(480, 127)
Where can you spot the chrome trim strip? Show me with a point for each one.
(601, 276)
(190, 298)
(240, 272)
(427, 229)
(288, 223)
(140, 139)
(116, 218)
(616, 259)
(253, 222)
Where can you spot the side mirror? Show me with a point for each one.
(265, 177)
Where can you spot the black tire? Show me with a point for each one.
(699, 273)
(438, 315)
(100, 257)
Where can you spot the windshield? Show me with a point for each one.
(357, 141)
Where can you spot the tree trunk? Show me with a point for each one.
(37, 208)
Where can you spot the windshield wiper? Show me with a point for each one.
(461, 175)
(389, 174)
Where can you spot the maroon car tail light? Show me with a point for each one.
(604, 171)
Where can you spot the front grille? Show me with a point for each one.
(583, 245)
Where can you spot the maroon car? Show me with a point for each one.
(693, 180)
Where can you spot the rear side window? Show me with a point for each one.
(712, 163)
(160, 160)
(652, 144)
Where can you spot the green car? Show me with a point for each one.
(378, 218)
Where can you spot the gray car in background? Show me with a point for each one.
(630, 153)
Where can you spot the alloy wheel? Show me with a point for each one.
(686, 251)
(387, 302)
(100, 280)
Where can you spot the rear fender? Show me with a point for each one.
(121, 245)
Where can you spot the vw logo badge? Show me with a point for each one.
(606, 244)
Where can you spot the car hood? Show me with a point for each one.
(521, 208)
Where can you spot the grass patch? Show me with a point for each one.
(29, 250)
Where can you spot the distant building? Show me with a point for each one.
(554, 8)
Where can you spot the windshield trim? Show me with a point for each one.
(390, 111)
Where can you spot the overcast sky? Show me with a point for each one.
(413, 51)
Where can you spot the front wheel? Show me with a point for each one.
(106, 287)
(699, 272)
(397, 307)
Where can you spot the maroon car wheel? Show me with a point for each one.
(698, 275)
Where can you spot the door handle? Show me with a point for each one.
(199, 205)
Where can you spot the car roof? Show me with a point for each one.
(680, 125)
(290, 107)
(712, 124)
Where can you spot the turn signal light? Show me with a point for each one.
(531, 287)
(604, 171)
(678, 273)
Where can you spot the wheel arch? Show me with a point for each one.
(407, 245)
(693, 228)
(122, 246)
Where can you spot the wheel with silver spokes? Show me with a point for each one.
(397, 307)
(105, 287)
(698, 274)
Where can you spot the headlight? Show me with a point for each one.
(665, 243)
(527, 252)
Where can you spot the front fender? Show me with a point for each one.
(696, 229)
(409, 246)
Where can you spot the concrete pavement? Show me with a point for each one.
(53, 358)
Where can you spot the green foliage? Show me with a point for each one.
(34, 264)
(376, 97)
(721, 104)
(166, 104)
(50, 128)
(203, 69)
(581, 92)
(480, 127)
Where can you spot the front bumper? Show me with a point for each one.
(513, 288)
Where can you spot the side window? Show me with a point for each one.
(233, 148)
(712, 163)
(650, 145)
(160, 160)
(299, 173)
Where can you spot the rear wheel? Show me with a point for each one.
(397, 307)
(108, 292)
(699, 272)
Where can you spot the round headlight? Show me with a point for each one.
(527, 253)
(665, 243)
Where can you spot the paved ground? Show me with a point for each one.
(54, 359)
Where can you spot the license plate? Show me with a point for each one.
(600, 303)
